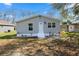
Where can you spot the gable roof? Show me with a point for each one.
(4, 22)
(31, 17)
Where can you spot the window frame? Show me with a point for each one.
(30, 26)
(49, 25)
(53, 25)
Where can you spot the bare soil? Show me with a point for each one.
(38, 47)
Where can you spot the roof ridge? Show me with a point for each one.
(24, 18)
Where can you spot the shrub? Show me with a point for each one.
(63, 34)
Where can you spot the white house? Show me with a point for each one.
(38, 26)
(5, 26)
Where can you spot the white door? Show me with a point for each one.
(41, 31)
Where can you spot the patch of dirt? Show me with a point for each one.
(38, 48)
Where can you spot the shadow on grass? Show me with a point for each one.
(8, 37)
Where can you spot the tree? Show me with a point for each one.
(76, 9)
(64, 10)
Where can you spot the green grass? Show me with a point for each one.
(7, 35)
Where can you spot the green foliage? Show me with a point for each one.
(76, 9)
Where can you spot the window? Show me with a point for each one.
(53, 25)
(30, 26)
(49, 25)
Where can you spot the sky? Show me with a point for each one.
(39, 8)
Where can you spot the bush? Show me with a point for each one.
(63, 34)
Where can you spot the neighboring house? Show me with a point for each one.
(74, 27)
(64, 27)
(5, 26)
(38, 26)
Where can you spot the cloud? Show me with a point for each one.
(8, 4)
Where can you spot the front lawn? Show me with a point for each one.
(7, 35)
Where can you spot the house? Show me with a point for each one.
(66, 25)
(69, 27)
(74, 27)
(5, 26)
(38, 26)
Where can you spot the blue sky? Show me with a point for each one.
(41, 8)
